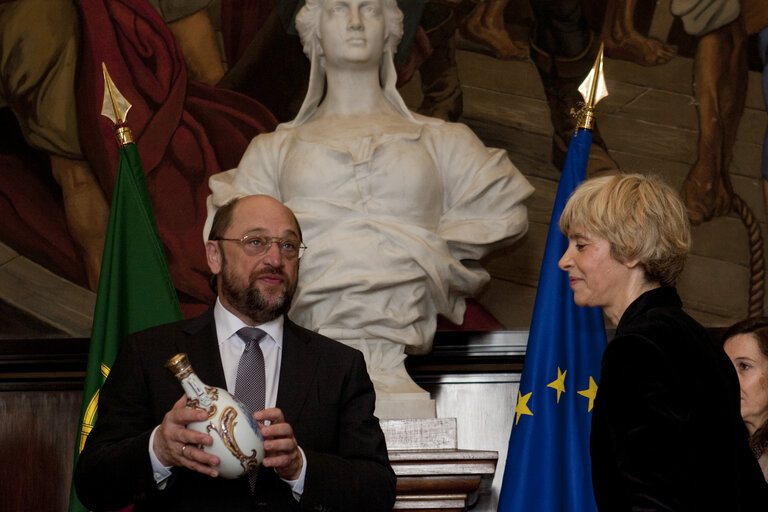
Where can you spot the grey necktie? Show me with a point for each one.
(250, 387)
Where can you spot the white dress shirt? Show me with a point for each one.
(231, 347)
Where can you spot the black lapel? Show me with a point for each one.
(297, 370)
(202, 349)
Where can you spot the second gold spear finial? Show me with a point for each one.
(593, 90)
(116, 107)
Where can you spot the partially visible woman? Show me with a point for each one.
(746, 343)
(666, 429)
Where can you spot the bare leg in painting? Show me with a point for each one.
(197, 39)
(720, 82)
(85, 209)
(622, 41)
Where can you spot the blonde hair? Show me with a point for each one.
(640, 216)
(308, 25)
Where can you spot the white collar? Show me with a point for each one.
(227, 325)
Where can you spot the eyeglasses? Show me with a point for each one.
(255, 245)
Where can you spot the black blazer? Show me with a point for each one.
(324, 392)
(667, 432)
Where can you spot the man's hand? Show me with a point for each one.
(176, 445)
(280, 447)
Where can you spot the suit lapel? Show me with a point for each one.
(297, 370)
(202, 349)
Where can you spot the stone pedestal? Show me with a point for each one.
(404, 405)
(432, 473)
(397, 395)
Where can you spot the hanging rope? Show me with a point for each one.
(756, 259)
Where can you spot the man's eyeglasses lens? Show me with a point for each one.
(257, 245)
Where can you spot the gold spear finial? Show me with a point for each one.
(115, 107)
(593, 90)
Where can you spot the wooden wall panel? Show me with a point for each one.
(37, 441)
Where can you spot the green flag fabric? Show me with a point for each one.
(135, 289)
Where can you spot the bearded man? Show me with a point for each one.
(324, 447)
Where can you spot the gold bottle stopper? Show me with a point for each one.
(179, 365)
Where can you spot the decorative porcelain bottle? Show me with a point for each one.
(237, 440)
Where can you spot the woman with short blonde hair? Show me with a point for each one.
(666, 429)
(640, 216)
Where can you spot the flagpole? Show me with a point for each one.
(135, 290)
(548, 464)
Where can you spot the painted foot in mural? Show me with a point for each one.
(706, 194)
(633, 47)
(485, 25)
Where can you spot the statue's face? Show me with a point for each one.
(352, 32)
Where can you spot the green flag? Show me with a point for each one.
(135, 289)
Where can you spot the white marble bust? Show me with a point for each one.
(395, 207)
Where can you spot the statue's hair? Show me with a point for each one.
(641, 217)
(308, 25)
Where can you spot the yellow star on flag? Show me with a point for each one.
(522, 406)
(559, 383)
(590, 393)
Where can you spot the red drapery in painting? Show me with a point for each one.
(185, 132)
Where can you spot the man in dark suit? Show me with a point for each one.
(324, 448)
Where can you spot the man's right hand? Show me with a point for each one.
(176, 445)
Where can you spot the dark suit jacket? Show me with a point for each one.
(324, 392)
(667, 432)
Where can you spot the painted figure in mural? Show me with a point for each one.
(41, 45)
(623, 41)
(564, 43)
(720, 82)
(39, 49)
(439, 73)
(392, 203)
(485, 24)
(51, 54)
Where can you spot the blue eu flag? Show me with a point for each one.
(548, 464)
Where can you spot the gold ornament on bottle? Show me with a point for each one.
(237, 440)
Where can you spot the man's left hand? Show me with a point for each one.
(282, 450)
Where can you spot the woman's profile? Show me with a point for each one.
(666, 431)
(746, 344)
